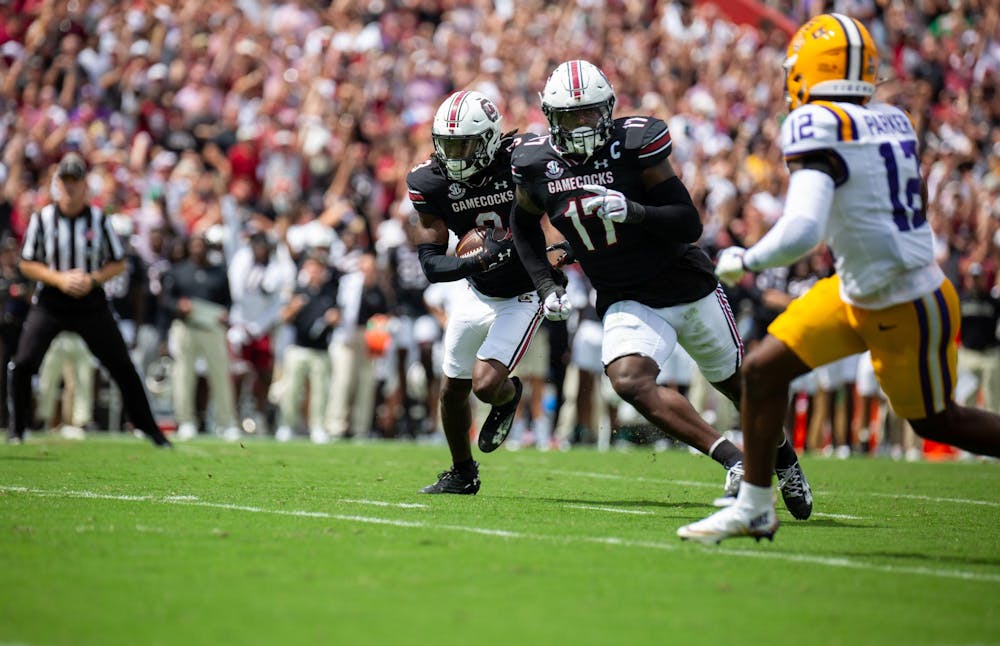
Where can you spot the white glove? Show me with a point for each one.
(607, 204)
(557, 306)
(729, 267)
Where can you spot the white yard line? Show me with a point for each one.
(613, 510)
(961, 501)
(692, 483)
(615, 476)
(187, 499)
(382, 503)
(840, 516)
(838, 562)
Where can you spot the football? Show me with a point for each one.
(471, 244)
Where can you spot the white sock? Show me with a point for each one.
(754, 498)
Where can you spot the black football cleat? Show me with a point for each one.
(498, 422)
(159, 440)
(795, 491)
(452, 481)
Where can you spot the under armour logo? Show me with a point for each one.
(500, 185)
(503, 257)
(601, 163)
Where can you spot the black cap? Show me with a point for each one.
(72, 165)
(259, 237)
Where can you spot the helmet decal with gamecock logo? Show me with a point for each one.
(489, 109)
(466, 134)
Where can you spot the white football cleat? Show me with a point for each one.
(731, 522)
(734, 476)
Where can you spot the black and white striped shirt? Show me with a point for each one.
(85, 242)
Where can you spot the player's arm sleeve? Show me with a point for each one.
(670, 212)
(442, 268)
(666, 209)
(800, 227)
(432, 247)
(529, 240)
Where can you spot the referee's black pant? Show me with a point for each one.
(99, 329)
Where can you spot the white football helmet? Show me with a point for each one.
(466, 134)
(578, 100)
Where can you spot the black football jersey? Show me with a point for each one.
(623, 261)
(464, 207)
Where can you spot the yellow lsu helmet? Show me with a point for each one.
(830, 56)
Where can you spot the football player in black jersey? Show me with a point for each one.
(466, 184)
(608, 187)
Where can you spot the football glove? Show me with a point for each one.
(729, 267)
(557, 306)
(496, 253)
(567, 258)
(607, 203)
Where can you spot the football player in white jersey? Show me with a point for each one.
(856, 185)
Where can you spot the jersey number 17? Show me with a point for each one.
(574, 211)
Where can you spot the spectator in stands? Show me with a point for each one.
(312, 312)
(196, 295)
(66, 381)
(979, 351)
(361, 298)
(415, 330)
(532, 426)
(261, 275)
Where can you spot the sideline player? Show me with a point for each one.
(608, 187)
(465, 184)
(856, 184)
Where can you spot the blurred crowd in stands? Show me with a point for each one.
(267, 143)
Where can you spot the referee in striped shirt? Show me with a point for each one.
(71, 250)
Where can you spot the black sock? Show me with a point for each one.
(725, 453)
(466, 467)
(785, 455)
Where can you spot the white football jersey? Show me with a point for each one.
(883, 246)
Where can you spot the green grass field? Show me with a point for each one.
(112, 542)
